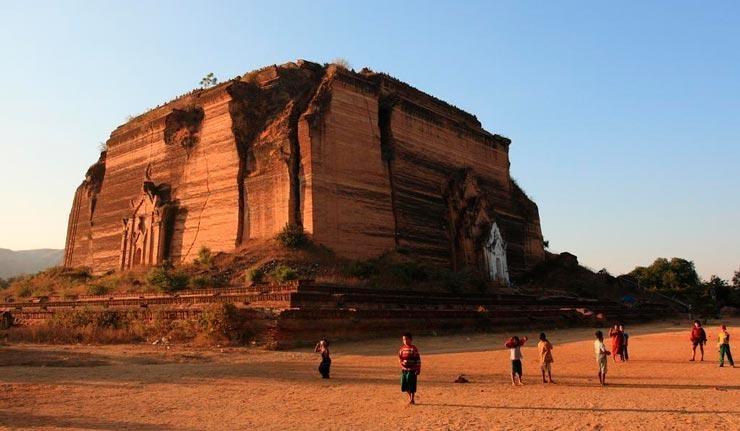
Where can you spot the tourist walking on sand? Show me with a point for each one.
(723, 341)
(544, 347)
(408, 356)
(698, 339)
(617, 339)
(515, 345)
(625, 355)
(601, 356)
(322, 347)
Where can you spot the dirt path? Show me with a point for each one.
(145, 387)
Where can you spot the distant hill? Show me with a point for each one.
(19, 262)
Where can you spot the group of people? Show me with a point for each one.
(410, 359)
(544, 349)
(699, 339)
(620, 340)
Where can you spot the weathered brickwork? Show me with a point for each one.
(364, 162)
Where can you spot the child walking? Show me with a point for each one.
(325, 366)
(514, 345)
(408, 356)
(601, 356)
(544, 347)
(723, 341)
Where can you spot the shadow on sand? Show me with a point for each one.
(582, 409)
(24, 420)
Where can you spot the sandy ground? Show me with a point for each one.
(145, 387)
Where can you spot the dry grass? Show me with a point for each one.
(51, 334)
(217, 324)
(71, 283)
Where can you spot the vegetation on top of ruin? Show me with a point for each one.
(208, 81)
(342, 62)
(518, 187)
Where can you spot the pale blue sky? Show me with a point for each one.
(625, 118)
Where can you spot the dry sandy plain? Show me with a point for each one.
(142, 387)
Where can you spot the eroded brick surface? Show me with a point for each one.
(363, 161)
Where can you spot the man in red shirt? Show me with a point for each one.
(410, 360)
(698, 338)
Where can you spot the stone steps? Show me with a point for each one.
(323, 296)
(298, 312)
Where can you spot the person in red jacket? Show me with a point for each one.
(698, 338)
(408, 356)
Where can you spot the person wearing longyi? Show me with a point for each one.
(410, 359)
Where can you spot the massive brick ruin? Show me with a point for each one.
(364, 162)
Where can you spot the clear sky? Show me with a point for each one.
(624, 116)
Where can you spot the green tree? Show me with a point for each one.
(675, 275)
(717, 289)
(292, 236)
(166, 280)
(678, 278)
(208, 81)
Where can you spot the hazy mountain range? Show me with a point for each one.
(19, 262)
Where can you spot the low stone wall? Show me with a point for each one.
(300, 313)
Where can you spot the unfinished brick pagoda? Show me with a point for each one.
(363, 161)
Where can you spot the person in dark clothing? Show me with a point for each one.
(322, 347)
(625, 354)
